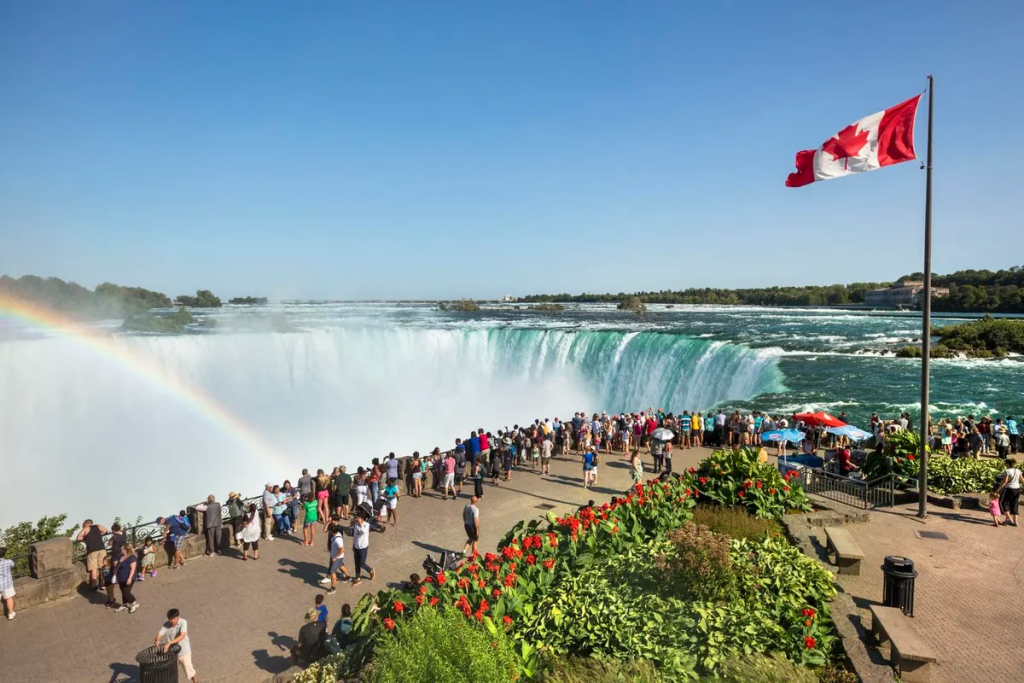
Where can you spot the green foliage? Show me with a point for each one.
(963, 475)
(249, 300)
(736, 478)
(174, 323)
(589, 670)
(460, 306)
(698, 564)
(545, 307)
(204, 298)
(108, 301)
(442, 646)
(835, 673)
(985, 338)
(764, 669)
(735, 522)
(19, 537)
(633, 303)
(327, 670)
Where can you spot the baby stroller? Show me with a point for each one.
(446, 563)
(372, 514)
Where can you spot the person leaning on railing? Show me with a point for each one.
(269, 501)
(236, 515)
(95, 550)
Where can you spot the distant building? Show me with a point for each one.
(902, 294)
(508, 297)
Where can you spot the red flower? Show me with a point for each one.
(531, 560)
(390, 623)
(691, 471)
(810, 642)
(807, 623)
(423, 590)
(481, 584)
(703, 480)
(747, 484)
(479, 616)
(549, 564)
(808, 612)
(463, 583)
(433, 601)
(399, 607)
(483, 606)
(786, 489)
(771, 492)
(512, 566)
(552, 540)
(910, 455)
(428, 580)
(759, 485)
(510, 579)
(740, 494)
(688, 492)
(496, 593)
(507, 620)
(615, 529)
(441, 578)
(490, 557)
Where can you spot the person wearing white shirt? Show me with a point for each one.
(361, 546)
(175, 632)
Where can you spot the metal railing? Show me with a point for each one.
(878, 492)
(22, 565)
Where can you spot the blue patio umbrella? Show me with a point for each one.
(850, 432)
(784, 435)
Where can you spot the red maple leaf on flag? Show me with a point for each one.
(847, 143)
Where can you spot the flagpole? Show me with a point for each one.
(926, 330)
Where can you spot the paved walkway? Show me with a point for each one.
(969, 594)
(243, 616)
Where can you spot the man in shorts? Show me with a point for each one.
(342, 487)
(546, 449)
(175, 631)
(471, 520)
(95, 550)
(337, 563)
(460, 465)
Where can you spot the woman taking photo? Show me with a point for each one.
(250, 533)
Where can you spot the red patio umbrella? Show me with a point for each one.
(815, 419)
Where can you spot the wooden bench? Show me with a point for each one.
(908, 652)
(848, 553)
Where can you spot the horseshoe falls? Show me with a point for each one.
(133, 425)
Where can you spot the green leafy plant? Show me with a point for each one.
(764, 669)
(18, 538)
(945, 474)
(327, 670)
(443, 647)
(590, 670)
(736, 478)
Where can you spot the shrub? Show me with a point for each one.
(18, 538)
(833, 673)
(945, 475)
(734, 522)
(698, 563)
(327, 670)
(633, 303)
(764, 669)
(589, 670)
(736, 478)
(443, 647)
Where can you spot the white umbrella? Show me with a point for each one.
(663, 434)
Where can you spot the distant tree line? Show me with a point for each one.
(982, 291)
(249, 300)
(204, 298)
(75, 301)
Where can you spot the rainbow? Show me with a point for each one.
(102, 345)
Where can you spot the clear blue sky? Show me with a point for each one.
(365, 149)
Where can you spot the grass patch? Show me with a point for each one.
(735, 522)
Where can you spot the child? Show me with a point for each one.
(148, 559)
(108, 580)
(7, 579)
(309, 523)
(321, 609)
(993, 507)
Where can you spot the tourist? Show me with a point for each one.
(546, 449)
(280, 510)
(212, 521)
(117, 542)
(588, 466)
(95, 550)
(845, 464)
(460, 465)
(310, 646)
(985, 430)
(478, 481)
(7, 591)
(148, 560)
(449, 478)
(177, 527)
(436, 469)
(309, 508)
(321, 609)
(720, 429)
(391, 467)
(485, 445)
(249, 535)
(977, 443)
(236, 515)
(269, 501)
(658, 453)
(668, 460)
(593, 468)
(292, 503)
(1009, 490)
(175, 632)
(471, 520)
(305, 484)
(373, 478)
(1012, 430)
(322, 491)
(417, 475)
(342, 487)
(125, 574)
(391, 493)
(495, 463)
(343, 626)
(361, 489)
(636, 470)
(1002, 443)
(993, 507)
(361, 546)
(507, 456)
(337, 561)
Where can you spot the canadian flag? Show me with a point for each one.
(882, 139)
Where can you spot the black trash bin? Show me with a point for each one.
(157, 666)
(898, 587)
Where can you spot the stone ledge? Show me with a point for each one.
(30, 592)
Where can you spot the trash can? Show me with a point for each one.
(157, 666)
(898, 587)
